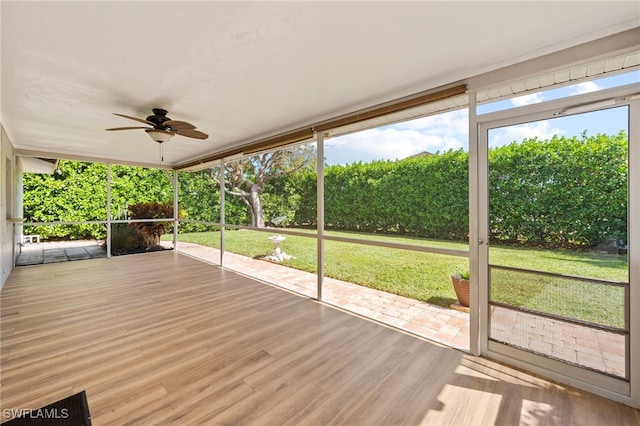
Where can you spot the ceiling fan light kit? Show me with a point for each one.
(160, 136)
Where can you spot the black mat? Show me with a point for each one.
(71, 411)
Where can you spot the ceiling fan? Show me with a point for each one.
(163, 128)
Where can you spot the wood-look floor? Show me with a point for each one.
(167, 339)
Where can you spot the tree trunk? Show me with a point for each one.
(257, 218)
(252, 200)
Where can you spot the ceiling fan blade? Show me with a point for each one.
(190, 133)
(127, 128)
(178, 125)
(141, 120)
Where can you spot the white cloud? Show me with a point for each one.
(432, 134)
(533, 98)
(585, 87)
(507, 135)
(439, 133)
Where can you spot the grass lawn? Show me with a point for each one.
(426, 276)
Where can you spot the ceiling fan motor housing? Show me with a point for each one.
(159, 117)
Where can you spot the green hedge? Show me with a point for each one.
(425, 196)
(77, 192)
(562, 192)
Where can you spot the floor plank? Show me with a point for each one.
(166, 339)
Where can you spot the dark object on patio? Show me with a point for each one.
(623, 248)
(612, 245)
(70, 411)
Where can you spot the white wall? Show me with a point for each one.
(8, 207)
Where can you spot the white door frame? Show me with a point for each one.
(609, 387)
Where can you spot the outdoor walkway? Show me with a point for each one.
(63, 251)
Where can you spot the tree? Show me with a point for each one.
(247, 178)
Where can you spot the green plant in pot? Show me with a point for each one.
(460, 279)
(150, 232)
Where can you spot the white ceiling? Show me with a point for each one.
(241, 71)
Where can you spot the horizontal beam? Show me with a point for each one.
(308, 132)
(391, 107)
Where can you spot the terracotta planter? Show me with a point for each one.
(462, 290)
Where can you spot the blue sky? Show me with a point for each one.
(446, 131)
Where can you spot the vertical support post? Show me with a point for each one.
(482, 243)
(474, 231)
(633, 250)
(320, 211)
(176, 210)
(222, 212)
(15, 209)
(109, 210)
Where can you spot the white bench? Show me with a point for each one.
(30, 238)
